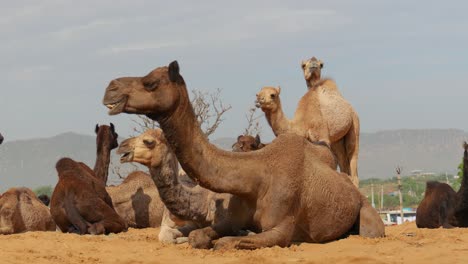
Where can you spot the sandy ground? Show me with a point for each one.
(403, 244)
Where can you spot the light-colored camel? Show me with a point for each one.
(342, 119)
(442, 206)
(137, 200)
(22, 211)
(307, 121)
(292, 194)
(189, 208)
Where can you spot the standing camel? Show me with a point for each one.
(342, 119)
(292, 195)
(106, 141)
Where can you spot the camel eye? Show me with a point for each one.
(273, 96)
(303, 66)
(149, 143)
(151, 86)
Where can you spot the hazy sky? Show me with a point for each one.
(401, 64)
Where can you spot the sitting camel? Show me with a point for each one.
(246, 143)
(342, 119)
(291, 193)
(22, 211)
(189, 207)
(442, 206)
(80, 203)
(137, 201)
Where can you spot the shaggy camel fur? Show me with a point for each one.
(137, 200)
(342, 119)
(292, 195)
(22, 211)
(106, 140)
(246, 143)
(307, 122)
(80, 203)
(442, 206)
(190, 207)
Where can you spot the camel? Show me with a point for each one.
(106, 140)
(137, 201)
(307, 122)
(22, 211)
(187, 207)
(442, 206)
(80, 203)
(45, 199)
(342, 119)
(292, 195)
(246, 143)
(1, 138)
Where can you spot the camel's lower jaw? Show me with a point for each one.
(117, 107)
(126, 157)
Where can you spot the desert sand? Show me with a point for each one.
(403, 244)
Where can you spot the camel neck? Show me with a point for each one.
(211, 167)
(464, 184)
(277, 120)
(183, 202)
(101, 167)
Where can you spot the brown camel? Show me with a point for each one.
(442, 206)
(22, 211)
(137, 200)
(80, 203)
(246, 143)
(189, 208)
(342, 119)
(292, 194)
(307, 122)
(106, 140)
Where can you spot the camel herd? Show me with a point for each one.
(257, 195)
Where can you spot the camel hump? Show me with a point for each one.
(431, 186)
(65, 163)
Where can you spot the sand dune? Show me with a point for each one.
(403, 243)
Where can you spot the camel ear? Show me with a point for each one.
(112, 128)
(279, 90)
(96, 129)
(321, 64)
(257, 140)
(174, 71)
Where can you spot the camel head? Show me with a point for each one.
(312, 69)
(1, 139)
(247, 143)
(155, 94)
(268, 98)
(106, 136)
(148, 148)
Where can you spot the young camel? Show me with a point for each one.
(189, 207)
(342, 120)
(442, 206)
(292, 194)
(22, 211)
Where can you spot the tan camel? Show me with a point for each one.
(442, 206)
(137, 200)
(307, 122)
(342, 119)
(189, 208)
(292, 194)
(22, 211)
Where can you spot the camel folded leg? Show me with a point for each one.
(6, 221)
(280, 235)
(369, 222)
(103, 218)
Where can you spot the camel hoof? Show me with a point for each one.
(96, 229)
(226, 243)
(198, 239)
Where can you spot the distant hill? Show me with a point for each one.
(31, 162)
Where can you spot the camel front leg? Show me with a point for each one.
(338, 148)
(351, 144)
(280, 235)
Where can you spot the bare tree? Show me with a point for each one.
(253, 124)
